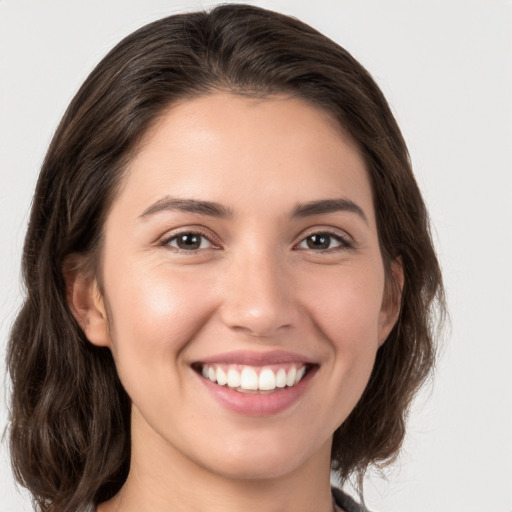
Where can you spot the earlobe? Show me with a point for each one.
(391, 304)
(86, 303)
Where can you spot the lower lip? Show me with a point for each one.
(258, 404)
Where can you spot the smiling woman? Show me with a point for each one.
(230, 277)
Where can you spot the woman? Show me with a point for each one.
(230, 277)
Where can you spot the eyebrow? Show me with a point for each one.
(187, 205)
(328, 206)
(213, 209)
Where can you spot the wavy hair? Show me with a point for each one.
(69, 415)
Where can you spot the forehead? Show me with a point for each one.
(240, 151)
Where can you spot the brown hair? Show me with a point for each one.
(70, 417)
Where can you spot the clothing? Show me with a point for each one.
(345, 502)
(342, 500)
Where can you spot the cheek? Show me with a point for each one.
(153, 315)
(350, 319)
(344, 308)
(345, 305)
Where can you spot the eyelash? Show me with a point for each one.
(167, 241)
(344, 242)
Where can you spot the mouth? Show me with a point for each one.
(257, 384)
(254, 379)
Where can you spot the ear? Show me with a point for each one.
(390, 310)
(86, 301)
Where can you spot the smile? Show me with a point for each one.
(256, 384)
(254, 379)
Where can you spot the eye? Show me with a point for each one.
(188, 241)
(324, 242)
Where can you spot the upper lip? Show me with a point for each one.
(252, 358)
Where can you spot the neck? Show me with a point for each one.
(163, 479)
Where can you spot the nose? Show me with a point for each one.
(258, 296)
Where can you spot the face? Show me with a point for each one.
(243, 284)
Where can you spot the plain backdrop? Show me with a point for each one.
(446, 68)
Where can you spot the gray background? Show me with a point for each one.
(446, 68)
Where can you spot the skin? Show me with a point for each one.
(254, 284)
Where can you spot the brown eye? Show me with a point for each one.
(189, 242)
(323, 242)
(319, 241)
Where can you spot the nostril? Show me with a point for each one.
(257, 323)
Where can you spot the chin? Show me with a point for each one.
(264, 459)
(256, 469)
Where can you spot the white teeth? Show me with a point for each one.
(290, 377)
(267, 380)
(222, 378)
(233, 378)
(300, 374)
(248, 379)
(281, 378)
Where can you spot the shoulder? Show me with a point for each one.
(346, 503)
